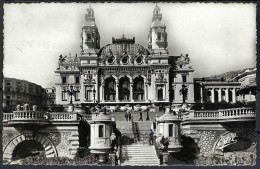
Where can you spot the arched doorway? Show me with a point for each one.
(110, 89)
(139, 88)
(49, 148)
(124, 88)
(27, 148)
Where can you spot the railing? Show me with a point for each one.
(120, 153)
(158, 151)
(29, 115)
(62, 116)
(86, 117)
(7, 116)
(222, 114)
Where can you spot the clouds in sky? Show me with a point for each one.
(217, 37)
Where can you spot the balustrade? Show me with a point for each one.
(63, 116)
(233, 113)
(7, 116)
(29, 115)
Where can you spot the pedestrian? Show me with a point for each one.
(151, 137)
(129, 115)
(147, 116)
(141, 116)
(126, 116)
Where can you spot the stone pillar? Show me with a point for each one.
(219, 95)
(234, 95)
(131, 92)
(213, 95)
(226, 95)
(112, 159)
(156, 92)
(117, 91)
(165, 158)
(146, 92)
(201, 95)
(102, 92)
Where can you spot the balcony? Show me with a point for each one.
(27, 117)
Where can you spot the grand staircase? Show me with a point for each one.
(139, 154)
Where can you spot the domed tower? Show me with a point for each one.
(90, 38)
(157, 35)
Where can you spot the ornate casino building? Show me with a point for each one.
(124, 72)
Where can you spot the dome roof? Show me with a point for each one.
(168, 117)
(119, 49)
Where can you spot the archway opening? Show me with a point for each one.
(139, 88)
(124, 87)
(110, 89)
(242, 144)
(27, 148)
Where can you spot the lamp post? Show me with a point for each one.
(94, 94)
(71, 92)
(170, 100)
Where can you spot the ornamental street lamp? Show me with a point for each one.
(94, 94)
(71, 92)
(184, 92)
(170, 100)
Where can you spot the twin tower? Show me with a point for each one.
(157, 38)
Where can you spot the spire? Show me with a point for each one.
(89, 16)
(157, 13)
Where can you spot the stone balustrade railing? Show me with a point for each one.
(29, 115)
(62, 116)
(7, 116)
(222, 114)
(86, 117)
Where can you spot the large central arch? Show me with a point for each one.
(49, 148)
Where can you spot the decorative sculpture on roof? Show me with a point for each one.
(61, 60)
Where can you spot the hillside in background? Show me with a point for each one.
(228, 75)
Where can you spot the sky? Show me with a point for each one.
(218, 37)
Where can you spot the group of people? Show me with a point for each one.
(128, 116)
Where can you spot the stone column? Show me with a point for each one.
(156, 92)
(131, 92)
(117, 91)
(226, 95)
(234, 95)
(213, 95)
(219, 95)
(102, 92)
(146, 92)
(201, 95)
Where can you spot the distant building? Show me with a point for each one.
(240, 88)
(49, 96)
(248, 84)
(16, 91)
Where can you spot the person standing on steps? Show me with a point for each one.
(126, 116)
(129, 115)
(147, 116)
(151, 137)
(141, 116)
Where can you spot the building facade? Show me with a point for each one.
(16, 91)
(49, 96)
(124, 72)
